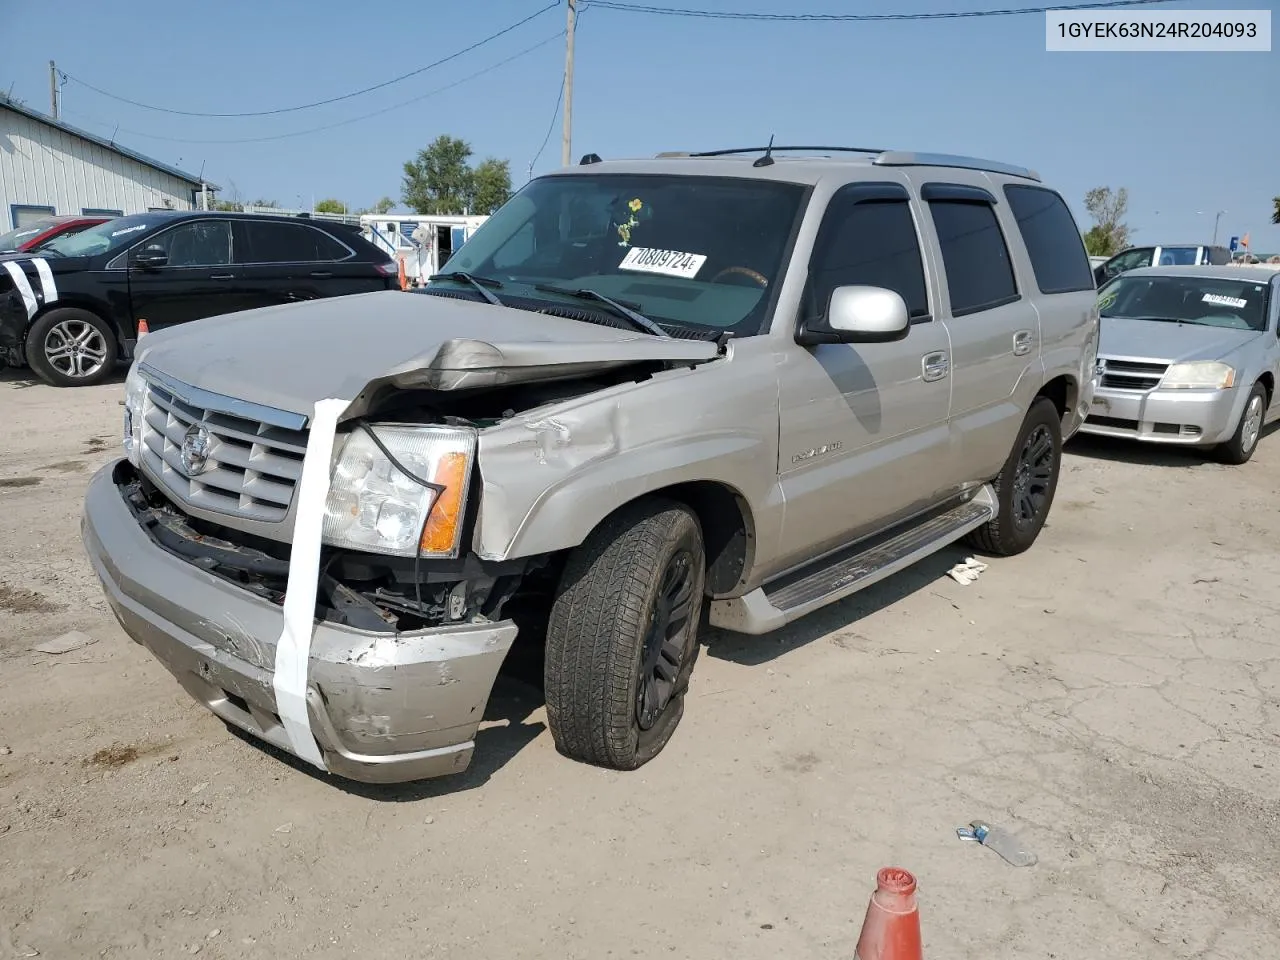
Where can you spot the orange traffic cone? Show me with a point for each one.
(143, 329)
(891, 930)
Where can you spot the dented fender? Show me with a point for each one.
(550, 476)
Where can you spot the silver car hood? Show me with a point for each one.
(1127, 339)
(288, 357)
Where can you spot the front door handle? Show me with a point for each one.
(934, 366)
(1022, 341)
(322, 274)
(223, 276)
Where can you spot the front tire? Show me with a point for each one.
(1026, 485)
(1239, 449)
(622, 637)
(69, 347)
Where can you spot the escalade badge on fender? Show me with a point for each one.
(195, 450)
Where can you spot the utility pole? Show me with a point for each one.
(567, 146)
(1215, 226)
(53, 89)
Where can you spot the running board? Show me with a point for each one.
(847, 571)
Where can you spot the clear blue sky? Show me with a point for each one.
(1172, 128)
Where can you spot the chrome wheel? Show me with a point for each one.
(76, 349)
(1252, 426)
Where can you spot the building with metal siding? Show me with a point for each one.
(50, 167)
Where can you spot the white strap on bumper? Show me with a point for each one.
(293, 649)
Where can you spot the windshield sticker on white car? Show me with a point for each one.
(121, 233)
(669, 263)
(1219, 300)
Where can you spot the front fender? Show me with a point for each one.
(550, 477)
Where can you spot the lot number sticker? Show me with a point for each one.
(669, 263)
(1218, 300)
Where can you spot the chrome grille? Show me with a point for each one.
(251, 467)
(1132, 375)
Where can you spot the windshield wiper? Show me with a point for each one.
(639, 320)
(481, 284)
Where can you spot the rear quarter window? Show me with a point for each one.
(974, 256)
(1052, 239)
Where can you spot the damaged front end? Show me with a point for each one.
(197, 537)
(399, 672)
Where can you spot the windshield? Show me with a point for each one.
(19, 235)
(1207, 301)
(103, 238)
(699, 252)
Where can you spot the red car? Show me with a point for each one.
(34, 235)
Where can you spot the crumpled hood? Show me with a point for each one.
(291, 356)
(1168, 342)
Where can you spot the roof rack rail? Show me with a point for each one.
(903, 158)
(736, 150)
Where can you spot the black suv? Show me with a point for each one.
(71, 311)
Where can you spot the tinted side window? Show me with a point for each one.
(871, 242)
(281, 243)
(201, 243)
(327, 247)
(979, 274)
(1052, 238)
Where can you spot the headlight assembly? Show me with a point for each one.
(1199, 375)
(135, 396)
(400, 490)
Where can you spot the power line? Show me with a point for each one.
(621, 5)
(364, 116)
(320, 103)
(550, 127)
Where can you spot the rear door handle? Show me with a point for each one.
(1022, 342)
(934, 366)
(322, 274)
(223, 276)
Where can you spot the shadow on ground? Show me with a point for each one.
(753, 651)
(1118, 450)
(22, 378)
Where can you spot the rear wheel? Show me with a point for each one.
(70, 347)
(1026, 484)
(1240, 447)
(622, 637)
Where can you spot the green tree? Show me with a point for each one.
(227, 206)
(330, 205)
(1275, 216)
(265, 203)
(438, 179)
(1109, 233)
(383, 206)
(490, 186)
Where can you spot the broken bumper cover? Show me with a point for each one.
(384, 707)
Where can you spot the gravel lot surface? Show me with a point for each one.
(1113, 697)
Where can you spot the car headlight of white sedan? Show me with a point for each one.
(400, 490)
(1199, 375)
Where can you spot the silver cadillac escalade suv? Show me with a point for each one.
(754, 380)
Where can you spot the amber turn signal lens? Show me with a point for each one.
(440, 532)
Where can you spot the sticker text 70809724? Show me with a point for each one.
(671, 263)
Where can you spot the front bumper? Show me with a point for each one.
(1191, 417)
(384, 707)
